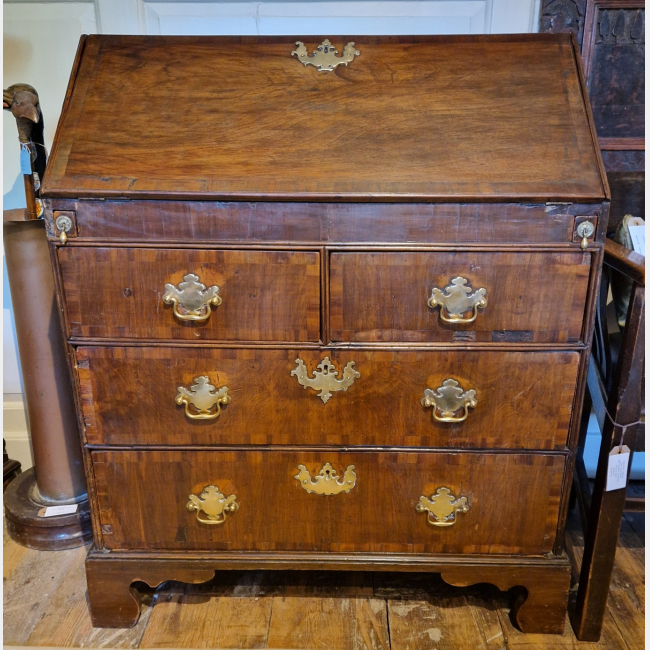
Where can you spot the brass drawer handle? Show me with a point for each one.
(205, 399)
(456, 300)
(327, 481)
(441, 507)
(448, 399)
(325, 378)
(214, 504)
(193, 297)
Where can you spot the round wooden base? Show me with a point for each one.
(42, 533)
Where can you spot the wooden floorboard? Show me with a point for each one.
(45, 605)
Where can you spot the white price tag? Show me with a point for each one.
(637, 235)
(25, 160)
(617, 468)
(53, 511)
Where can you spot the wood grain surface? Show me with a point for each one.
(525, 399)
(532, 297)
(142, 499)
(184, 222)
(483, 116)
(117, 292)
(325, 610)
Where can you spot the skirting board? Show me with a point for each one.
(15, 432)
(19, 447)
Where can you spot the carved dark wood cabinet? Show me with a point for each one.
(328, 311)
(611, 34)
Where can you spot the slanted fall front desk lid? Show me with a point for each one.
(462, 118)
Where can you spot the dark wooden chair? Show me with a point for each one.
(615, 382)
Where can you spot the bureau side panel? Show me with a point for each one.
(143, 499)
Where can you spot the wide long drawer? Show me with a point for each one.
(458, 296)
(207, 396)
(191, 294)
(277, 501)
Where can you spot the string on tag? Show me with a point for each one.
(624, 427)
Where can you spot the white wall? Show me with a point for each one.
(40, 41)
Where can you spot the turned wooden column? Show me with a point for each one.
(58, 476)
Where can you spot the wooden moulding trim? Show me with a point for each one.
(590, 116)
(68, 95)
(622, 144)
(333, 347)
(332, 448)
(73, 192)
(332, 246)
(307, 559)
(541, 610)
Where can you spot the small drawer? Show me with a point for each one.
(327, 501)
(220, 295)
(207, 396)
(458, 297)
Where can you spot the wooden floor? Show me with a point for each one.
(45, 605)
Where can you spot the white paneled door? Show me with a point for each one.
(305, 18)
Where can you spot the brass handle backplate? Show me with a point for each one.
(325, 378)
(456, 300)
(193, 298)
(441, 507)
(203, 400)
(213, 504)
(327, 481)
(448, 399)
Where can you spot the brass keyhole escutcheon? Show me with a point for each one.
(584, 231)
(325, 379)
(63, 224)
(327, 481)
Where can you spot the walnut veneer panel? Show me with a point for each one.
(117, 292)
(534, 297)
(525, 399)
(143, 496)
(493, 116)
(420, 223)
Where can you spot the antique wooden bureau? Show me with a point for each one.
(327, 308)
